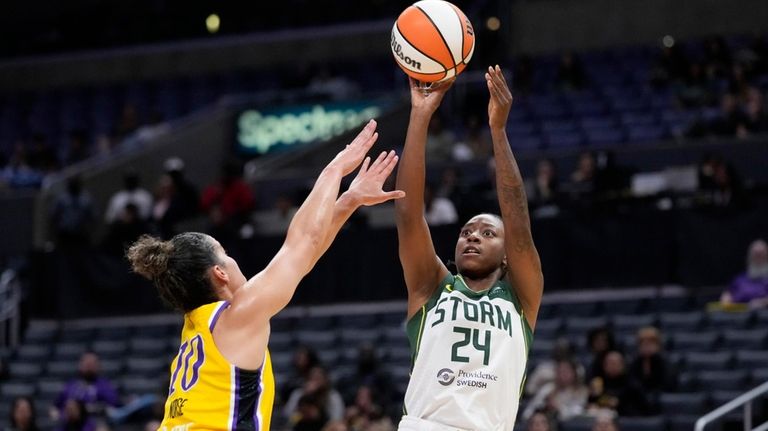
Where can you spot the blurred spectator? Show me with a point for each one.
(546, 371)
(440, 141)
(605, 422)
(730, 118)
(229, 201)
(671, 65)
(17, 173)
(611, 180)
(570, 73)
(369, 373)
(366, 414)
(276, 219)
(544, 188)
(77, 147)
(717, 56)
(478, 139)
(176, 199)
(438, 210)
(336, 426)
(522, 75)
(615, 390)
(651, 368)
(42, 156)
(696, 89)
(152, 425)
(330, 85)
(73, 215)
(599, 342)
(755, 117)
(131, 193)
(22, 416)
(583, 178)
(316, 390)
(539, 421)
(125, 230)
(719, 183)
(128, 122)
(304, 359)
(308, 414)
(75, 417)
(564, 398)
(96, 393)
(751, 287)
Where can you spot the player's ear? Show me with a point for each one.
(218, 273)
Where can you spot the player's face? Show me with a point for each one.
(480, 248)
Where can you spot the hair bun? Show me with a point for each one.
(149, 256)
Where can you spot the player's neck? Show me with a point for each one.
(480, 284)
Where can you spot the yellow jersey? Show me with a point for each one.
(209, 393)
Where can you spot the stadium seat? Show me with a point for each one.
(683, 403)
(703, 341)
(32, 352)
(351, 336)
(110, 349)
(708, 361)
(152, 331)
(686, 321)
(280, 341)
(140, 386)
(582, 325)
(631, 322)
(146, 367)
(395, 337)
(281, 324)
(578, 309)
(755, 339)
(749, 359)
(759, 375)
(147, 347)
(12, 390)
(328, 357)
(577, 424)
(62, 369)
(116, 333)
(69, 350)
(315, 323)
(112, 368)
(625, 306)
(655, 423)
(357, 321)
(548, 328)
(400, 356)
(316, 339)
(725, 320)
(25, 370)
(723, 380)
(682, 422)
(49, 389)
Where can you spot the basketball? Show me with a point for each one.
(432, 40)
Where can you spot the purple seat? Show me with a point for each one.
(597, 123)
(563, 140)
(645, 133)
(604, 137)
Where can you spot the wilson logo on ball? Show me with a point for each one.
(398, 50)
(432, 40)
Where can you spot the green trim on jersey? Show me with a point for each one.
(415, 326)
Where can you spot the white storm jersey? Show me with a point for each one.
(469, 353)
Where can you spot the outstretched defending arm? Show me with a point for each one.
(421, 267)
(314, 227)
(523, 263)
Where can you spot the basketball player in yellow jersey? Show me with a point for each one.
(221, 378)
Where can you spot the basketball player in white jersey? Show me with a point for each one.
(470, 332)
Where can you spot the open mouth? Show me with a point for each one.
(471, 251)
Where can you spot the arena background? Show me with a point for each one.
(656, 128)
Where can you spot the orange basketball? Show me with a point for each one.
(432, 40)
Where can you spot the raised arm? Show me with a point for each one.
(311, 231)
(421, 266)
(523, 263)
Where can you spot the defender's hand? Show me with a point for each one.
(366, 188)
(350, 157)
